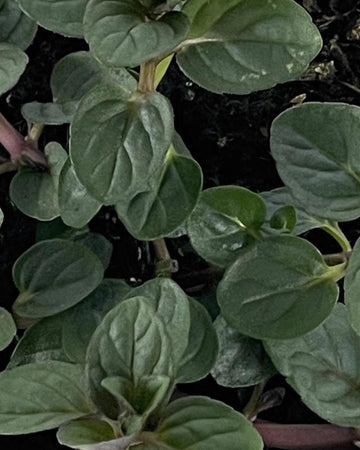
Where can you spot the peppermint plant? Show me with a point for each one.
(100, 358)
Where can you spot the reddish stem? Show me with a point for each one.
(300, 437)
(16, 146)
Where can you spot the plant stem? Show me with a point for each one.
(311, 437)
(164, 265)
(337, 258)
(35, 133)
(335, 231)
(17, 147)
(147, 77)
(250, 409)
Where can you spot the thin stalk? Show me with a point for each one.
(164, 266)
(35, 133)
(250, 409)
(335, 231)
(307, 437)
(147, 77)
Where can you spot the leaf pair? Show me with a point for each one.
(142, 167)
(16, 33)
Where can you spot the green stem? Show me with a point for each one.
(164, 266)
(335, 231)
(250, 409)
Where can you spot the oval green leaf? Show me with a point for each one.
(241, 46)
(323, 368)
(120, 33)
(41, 396)
(172, 305)
(7, 328)
(202, 349)
(203, 424)
(77, 207)
(167, 203)
(54, 275)
(281, 288)
(35, 192)
(15, 27)
(83, 434)
(49, 113)
(12, 64)
(242, 361)
(129, 344)
(226, 220)
(315, 147)
(133, 134)
(61, 16)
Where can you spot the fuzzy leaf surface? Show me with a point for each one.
(120, 33)
(201, 352)
(13, 62)
(226, 220)
(129, 344)
(7, 328)
(77, 207)
(315, 147)
(203, 424)
(35, 192)
(242, 361)
(241, 46)
(60, 16)
(41, 396)
(168, 201)
(54, 275)
(322, 366)
(279, 289)
(133, 134)
(15, 27)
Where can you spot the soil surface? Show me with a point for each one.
(229, 136)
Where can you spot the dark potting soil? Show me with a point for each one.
(229, 136)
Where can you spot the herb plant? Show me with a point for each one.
(100, 358)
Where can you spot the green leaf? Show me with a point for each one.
(242, 361)
(352, 286)
(83, 319)
(1, 217)
(201, 352)
(35, 192)
(77, 207)
(280, 197)
(7, 328)
(120, 33)
(41, 396)
(130, 343)
(172, 305)
(323, 368)
(12, 64)
(15, 27)
(84, 433)
(168, 201)
(134, 135)
(321, 169)
(43, 341)
(284, 219)
(61, 16)
(65, 336)
(226, 220)
(98, 244)
(53, 276)
(74, 75)
(241, 46)
(203, 424)
(280, 289)
(49, 113)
